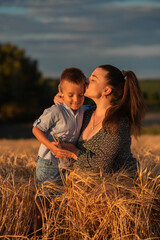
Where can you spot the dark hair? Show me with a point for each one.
(127, 99)
(74, 75)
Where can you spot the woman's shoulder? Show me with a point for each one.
(121, 129)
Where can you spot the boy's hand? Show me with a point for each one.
(58, 98)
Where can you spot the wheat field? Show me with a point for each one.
(87, 206)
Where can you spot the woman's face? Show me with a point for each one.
(96, 84)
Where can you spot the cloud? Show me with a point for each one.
(65, 19)
(134, 51)
(12, 10)
(87, 32)
(40, 37)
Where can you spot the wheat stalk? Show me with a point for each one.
(86, 207)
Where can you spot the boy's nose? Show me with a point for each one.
(75, 98)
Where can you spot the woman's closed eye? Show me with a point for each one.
(91, 79)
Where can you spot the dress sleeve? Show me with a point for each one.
(102, 150)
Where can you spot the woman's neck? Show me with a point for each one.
(102, 106)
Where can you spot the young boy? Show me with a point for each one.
(64, 120)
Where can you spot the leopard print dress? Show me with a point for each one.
(105, 152)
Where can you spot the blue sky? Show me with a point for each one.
(85, 33)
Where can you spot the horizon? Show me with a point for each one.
(85, 34)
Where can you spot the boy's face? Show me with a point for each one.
(73, 94)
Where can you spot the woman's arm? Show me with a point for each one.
(98, 154)
(58, 98)
(105, 150)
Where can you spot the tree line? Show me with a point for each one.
(25, 92)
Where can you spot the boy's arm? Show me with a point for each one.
(39, 134)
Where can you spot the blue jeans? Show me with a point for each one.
(46, 170)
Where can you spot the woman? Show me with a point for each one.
(104, 143)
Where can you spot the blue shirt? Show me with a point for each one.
(61, 120)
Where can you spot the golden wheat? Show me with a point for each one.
(87, 206)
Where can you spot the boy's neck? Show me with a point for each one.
(74, 111)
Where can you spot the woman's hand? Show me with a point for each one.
(58, 98)
(69, 146)
(61, 153)
(67, 150)
(54, 147)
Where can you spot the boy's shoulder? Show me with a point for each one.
(89, 108)
(86, 107)
(52, 108)
(55, 109)
(61, 106)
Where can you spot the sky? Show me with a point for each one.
(85, 34)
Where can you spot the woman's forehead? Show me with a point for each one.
(99, 73)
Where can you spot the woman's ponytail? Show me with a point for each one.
(133, 101)
(127, 99)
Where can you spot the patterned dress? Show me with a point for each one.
(105, 152)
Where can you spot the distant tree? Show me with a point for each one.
(145, 95)
(21, 84)
(156, 96)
